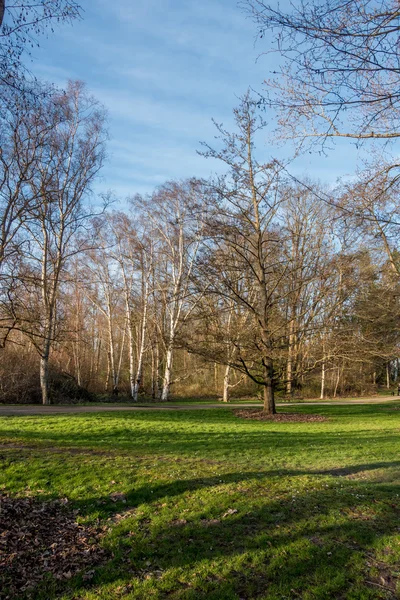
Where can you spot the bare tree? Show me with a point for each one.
(336, 72)
(70, 159)
(371, 206)
(244, 256)
(309, 247)
(22, 22)
(174, 212)
(134, 255)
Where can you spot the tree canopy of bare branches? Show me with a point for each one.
(22, 22)
(338, 66)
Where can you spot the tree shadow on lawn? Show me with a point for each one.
(152, 493)
(330, 540)
(213, 444)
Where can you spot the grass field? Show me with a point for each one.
(216, 507)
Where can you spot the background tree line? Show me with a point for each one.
(250, 282)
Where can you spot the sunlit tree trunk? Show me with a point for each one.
(322, 395)
(225, 394)
(143, 332)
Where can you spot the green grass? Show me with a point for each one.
(222, 508)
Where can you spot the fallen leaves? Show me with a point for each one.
(38, 539)
(259, 415)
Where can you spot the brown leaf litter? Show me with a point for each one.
(38, 539)
(258, 415)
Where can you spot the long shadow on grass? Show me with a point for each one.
(209, 443)
(319, 539)
(209, 434)
(257, 541)
(154, 492)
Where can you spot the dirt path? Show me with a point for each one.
(15, 410)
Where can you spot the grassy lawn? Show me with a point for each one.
(220, 508)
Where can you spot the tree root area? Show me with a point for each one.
(258, 415)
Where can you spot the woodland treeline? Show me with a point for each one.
(251, 282)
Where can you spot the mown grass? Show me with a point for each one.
(221, 508)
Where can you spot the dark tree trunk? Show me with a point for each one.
(269, 400)
(2, 9)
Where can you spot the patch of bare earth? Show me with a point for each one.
(258, 415)
(38, 539)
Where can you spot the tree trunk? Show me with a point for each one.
(142, 346)
(167, 373)
(118, 371)
(155, 371)
(108, 372)
(225, 394)
(131, 360)
(289, 365)
(322, 381)
(337, 382)
(388, 375)
(44, 378)
(269, 400)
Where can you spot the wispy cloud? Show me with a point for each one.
(163, 69)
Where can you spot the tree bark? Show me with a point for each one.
(167, 372)
(269, 399)
(155, 371)
(2, 9)
(44, 378)
(225, 394)
(142, 343)
(289, 365)
(131, 359)
(337, 382)
(388, 375)
(322, 396)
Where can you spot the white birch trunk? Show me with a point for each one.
(111, 345)
(225, 394)
(388, 376)
(131, 360)
(167, 372)
(142, 347)
(155, 371)
(322, 381)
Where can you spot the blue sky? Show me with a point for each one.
(164, 69)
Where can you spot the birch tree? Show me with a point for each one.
(23, 133)
(134, 255)
(174, 211)
(22, 22)
(70, 159)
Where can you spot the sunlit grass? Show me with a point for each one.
(222, 508)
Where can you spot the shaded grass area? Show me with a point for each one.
(205, 505)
